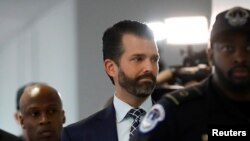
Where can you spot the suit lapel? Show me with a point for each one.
(107, 120)
(108, 130)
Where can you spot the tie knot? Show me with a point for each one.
(136, 113)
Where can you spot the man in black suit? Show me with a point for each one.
(130, 58)
(5, 136)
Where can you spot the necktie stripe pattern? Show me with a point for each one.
(136, 114)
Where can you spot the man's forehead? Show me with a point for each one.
(36, 105)
(131, 36)
(37, 94)
(138, 45)
(40, 104)
(233, 32)
(232, 35)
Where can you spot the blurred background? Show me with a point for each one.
(59, 42)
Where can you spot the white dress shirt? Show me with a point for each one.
(124, 124)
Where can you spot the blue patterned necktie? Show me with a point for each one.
(136, 114)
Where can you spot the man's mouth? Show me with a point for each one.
(240, 73)
(146, 79)
(46, 133)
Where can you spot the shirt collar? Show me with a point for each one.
(122, 108)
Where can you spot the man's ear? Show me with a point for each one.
(109, 66)
(21, 120)
(64, 118)
(16, 115)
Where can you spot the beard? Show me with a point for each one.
(136, 88)
(229, 82)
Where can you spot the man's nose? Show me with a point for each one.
(150, 66)
(45, 119)
(240, 56)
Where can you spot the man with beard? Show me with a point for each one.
(218, 106)
(41, 114)
(130, 58)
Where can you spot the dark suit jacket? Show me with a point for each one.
(5, 136)
(99, 127)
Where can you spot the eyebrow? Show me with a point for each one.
(141, 54)
(49, 105)
(138, 55)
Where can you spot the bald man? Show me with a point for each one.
(41, 113)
